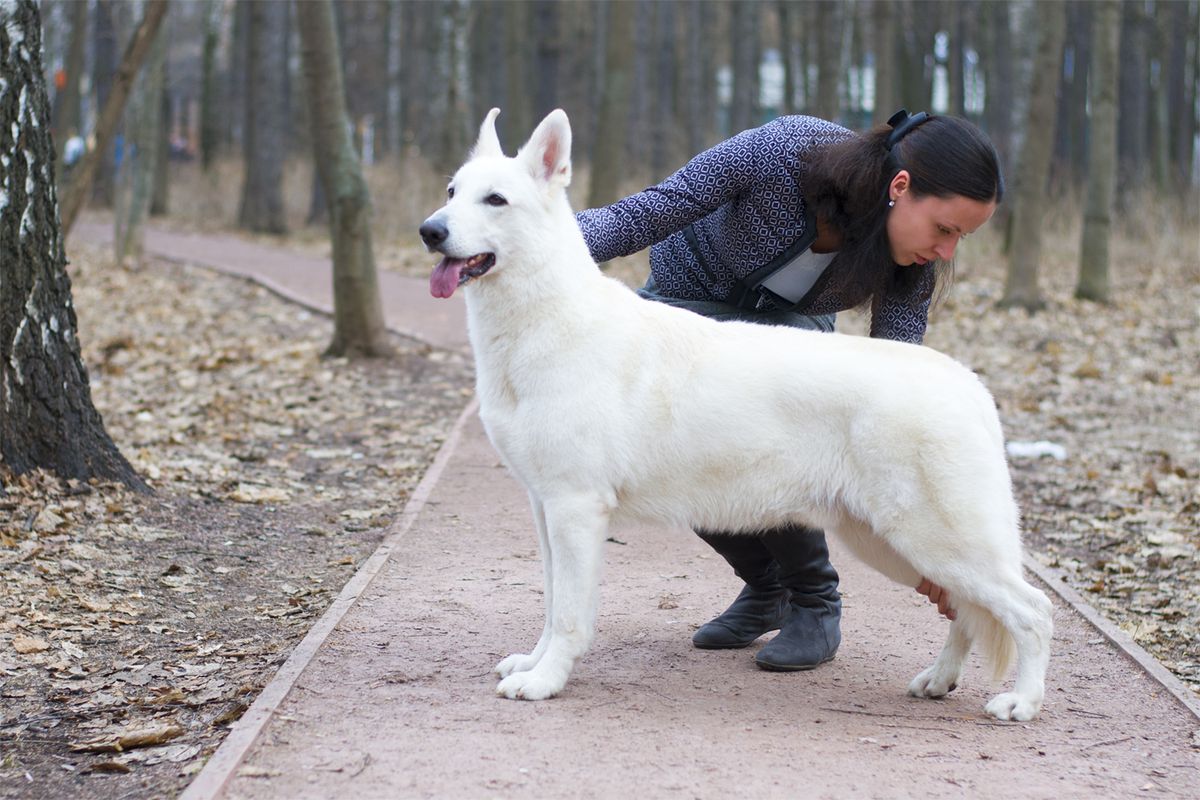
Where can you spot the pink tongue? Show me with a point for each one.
(444, 279)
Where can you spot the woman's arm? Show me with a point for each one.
(705, 183)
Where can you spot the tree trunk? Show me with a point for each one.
(265, 128)
(955, 59)
(829, 52)
(210, 123)
(1159, 36)
(744, 108)
(519, 111)
(358, 312)
(609, 159)
(886, 65)
(68, 113)
(547, 55)
(141, 145)
(110, 116)
(47, 419)
(663, 158)
(1102, 153)
(787, 55)
(104, 67)
(160, 197)
(1021, 288)
(1182, 92)
(1133, 98)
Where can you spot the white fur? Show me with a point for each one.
(611, 408)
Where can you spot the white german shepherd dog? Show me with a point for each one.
(611, 408)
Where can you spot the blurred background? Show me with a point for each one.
(219, 106)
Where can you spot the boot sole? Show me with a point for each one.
(769, 667)
(733, 646)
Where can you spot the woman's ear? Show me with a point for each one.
(899, 184)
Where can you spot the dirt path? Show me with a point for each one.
(391, 694)
(398, 701)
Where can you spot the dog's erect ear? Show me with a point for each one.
(488, 143)
(548, 151)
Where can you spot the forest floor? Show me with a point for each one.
(135, 628)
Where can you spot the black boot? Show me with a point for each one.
(812, 632)
(762, 605)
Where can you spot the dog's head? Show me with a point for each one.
(496, 205)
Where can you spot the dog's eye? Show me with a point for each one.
(449, 192)
(495, 200)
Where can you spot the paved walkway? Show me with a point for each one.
(390, 695)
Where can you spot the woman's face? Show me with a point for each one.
(923, 229)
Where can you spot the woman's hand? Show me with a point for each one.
(938, 596)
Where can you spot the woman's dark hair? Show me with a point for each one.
(847, 186)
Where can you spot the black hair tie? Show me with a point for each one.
(902, 122)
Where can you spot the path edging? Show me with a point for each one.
(223, 764)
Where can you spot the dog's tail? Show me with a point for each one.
(995, 643)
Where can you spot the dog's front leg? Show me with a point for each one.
(575, 531)
(523, 662)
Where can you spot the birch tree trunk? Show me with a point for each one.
(358, 312)
(1021, 288)
(1102, 153)
(47, 419)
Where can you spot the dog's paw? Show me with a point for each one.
(517, 662)
(933, 682)
(1012, 706)
(529, 686)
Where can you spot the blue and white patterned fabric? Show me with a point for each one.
(742, 201)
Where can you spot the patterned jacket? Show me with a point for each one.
(737, 208)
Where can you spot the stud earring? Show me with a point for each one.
(891, 203)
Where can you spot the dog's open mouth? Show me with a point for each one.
(450, 273)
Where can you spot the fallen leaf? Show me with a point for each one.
(29, 644)
(127, 740)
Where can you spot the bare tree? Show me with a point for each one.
(47, 419)
(1021, 288)
(358, 311)
(264, 142)
(1102, 153)
(110, 116)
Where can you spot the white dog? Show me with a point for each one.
(608, 407)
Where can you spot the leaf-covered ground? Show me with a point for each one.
(133, 629)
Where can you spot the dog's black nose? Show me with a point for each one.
(433, 232)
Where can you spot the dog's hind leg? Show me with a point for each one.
(1028, 616)
(575, 530)
(523, 662)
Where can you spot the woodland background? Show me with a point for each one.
(275, 467)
